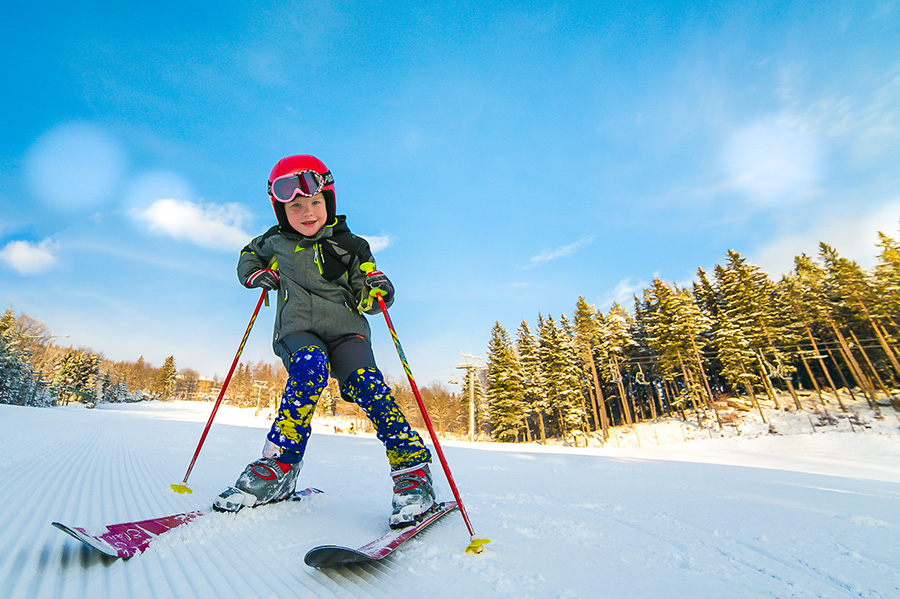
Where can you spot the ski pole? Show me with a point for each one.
(183, 488)
(475, 545)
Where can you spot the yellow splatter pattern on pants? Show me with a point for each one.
(307, 377)
(403, 445)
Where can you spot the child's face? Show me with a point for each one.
(307, 215)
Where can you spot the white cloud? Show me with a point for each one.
(378, 242)
(772, 161)
(216, 227)
(860, 122)
(29, 258)
(561, 252)
(853, 233)
(623, 293)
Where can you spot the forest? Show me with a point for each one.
(732, 340)
(35, 371)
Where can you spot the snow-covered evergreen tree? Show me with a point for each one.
(164, 385)
(587, 339)
(19, 383)
(505, 393)
(673, 328)
(574, 407)
(615, 338)
(117, 393)
(77, 373)
(533, 385)
(559, 364)
(887, 274)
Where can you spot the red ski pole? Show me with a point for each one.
(183, 488)
(475, 545)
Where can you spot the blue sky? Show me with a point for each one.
(503, 157)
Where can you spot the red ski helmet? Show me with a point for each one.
(297, 164)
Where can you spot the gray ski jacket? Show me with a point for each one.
(321, 282)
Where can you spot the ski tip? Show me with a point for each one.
(182, 488)
(477, 546)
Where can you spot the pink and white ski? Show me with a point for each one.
(326, 556)
(127, 539)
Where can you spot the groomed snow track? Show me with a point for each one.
(563, 523)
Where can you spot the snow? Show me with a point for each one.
(661, 511)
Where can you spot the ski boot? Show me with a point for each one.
(264, 481)
(413, 495)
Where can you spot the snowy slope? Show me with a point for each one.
(807, 515)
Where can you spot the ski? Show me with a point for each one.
(127, 539)
(327, 556)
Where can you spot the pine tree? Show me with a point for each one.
(77, 374)
(674, 327)
(18, 382)
(533, 385)
(505, 393)
(557, 356)
(587, 334)
(798, 291)
(164, 385)
(615, 339)
(116, 393)
(811, 279)
(859, 307)
(752, 333)
(887, 277)
(574, 381)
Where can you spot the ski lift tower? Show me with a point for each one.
(470, 381)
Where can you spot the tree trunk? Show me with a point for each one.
(813, 379)
(711, 402)
(767, 384)
(604, 413)
(787, 381)
(881, 340)
(824, 367)
(648, 390)
(638, 414)
(843, 378)
(622, 399)
(672, 395)
(872, 368)
(861, 379)
(563, 429)
(604, 421)
(691, 386)
(541, 425)
(749, 386)
(593, 401)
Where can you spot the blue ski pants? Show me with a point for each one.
(308, 371)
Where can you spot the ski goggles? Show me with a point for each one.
(304, 183)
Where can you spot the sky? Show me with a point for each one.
(503, 158)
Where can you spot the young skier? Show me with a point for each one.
(314, 263)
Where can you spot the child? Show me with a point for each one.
(313, 261)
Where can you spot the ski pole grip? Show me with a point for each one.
(369, 269)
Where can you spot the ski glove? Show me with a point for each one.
(376, 283)
(265, 278)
